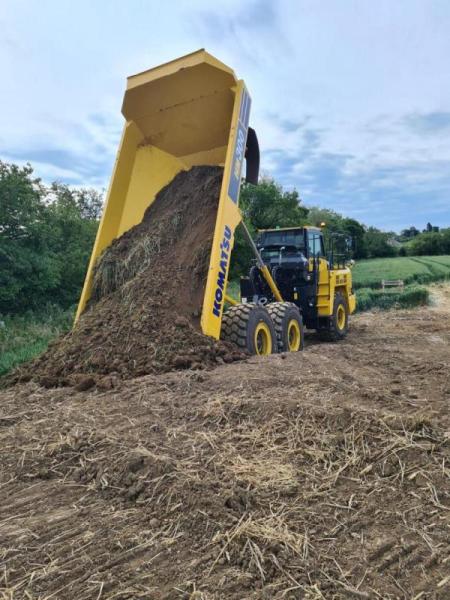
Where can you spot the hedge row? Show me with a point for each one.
(368, 298)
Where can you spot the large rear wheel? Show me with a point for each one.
(288, 324)
(250, 327)
(338, 322)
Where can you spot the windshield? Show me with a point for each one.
(282, 238)
(280, 251)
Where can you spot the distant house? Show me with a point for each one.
(393, 242)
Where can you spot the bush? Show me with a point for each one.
(26, 336)
(367, 298)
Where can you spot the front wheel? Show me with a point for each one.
(338, 322)
(288, 324)
(250, 327)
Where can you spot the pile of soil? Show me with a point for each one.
(148, 288)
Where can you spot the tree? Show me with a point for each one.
(445, 233)
(267, 205)
(336, 223)
(409, 233)
(20, 202)
(428, 243)
(358, 233)
(377, 244)
(46, 237)
(73, 219)
(332, 220)
(26, 270)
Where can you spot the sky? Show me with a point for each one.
(351, 98)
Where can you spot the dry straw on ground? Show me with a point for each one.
(148, 491)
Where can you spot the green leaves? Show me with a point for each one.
(430, 243)
(46, 237)
(264, 206)
(377, 243)
(267, 205)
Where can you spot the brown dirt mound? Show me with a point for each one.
(148, 289)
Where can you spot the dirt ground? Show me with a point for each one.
(323, 474)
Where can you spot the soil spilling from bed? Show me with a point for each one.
(148, 287)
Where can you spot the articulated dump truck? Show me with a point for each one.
(194, 111)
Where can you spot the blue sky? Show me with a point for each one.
(351, 99)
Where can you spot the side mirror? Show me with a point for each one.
(252, 158)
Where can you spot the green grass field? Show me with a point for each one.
(26, 336)
(413, 270)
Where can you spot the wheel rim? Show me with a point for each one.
(341, 316)
(263, 339)
(294, 335)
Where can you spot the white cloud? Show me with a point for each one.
(345, 92)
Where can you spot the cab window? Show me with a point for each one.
(281, 238)
(315, 244)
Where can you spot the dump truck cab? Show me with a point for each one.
(304, 274)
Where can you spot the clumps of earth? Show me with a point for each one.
(148, 286)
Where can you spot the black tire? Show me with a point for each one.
(288, 324)
(337, 328)
(250, 327)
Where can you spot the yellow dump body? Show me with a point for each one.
(191, 111)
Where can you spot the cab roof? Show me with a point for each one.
(309, 227)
